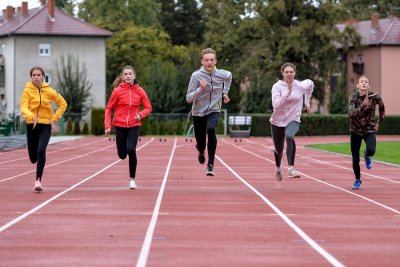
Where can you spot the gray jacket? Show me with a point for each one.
(210, 99)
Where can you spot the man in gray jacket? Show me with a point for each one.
(208, 87)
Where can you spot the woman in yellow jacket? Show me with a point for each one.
(35, 105)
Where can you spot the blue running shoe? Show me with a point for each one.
(356, 185)
(368, 162)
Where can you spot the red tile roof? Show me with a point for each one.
(38, 23)
(388, 32)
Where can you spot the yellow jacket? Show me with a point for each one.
(37, 103)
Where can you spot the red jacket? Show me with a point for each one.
(125, 100)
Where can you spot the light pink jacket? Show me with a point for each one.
(287, 107)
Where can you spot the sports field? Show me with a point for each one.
(178, 216)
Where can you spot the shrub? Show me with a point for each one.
(69, 129)
(77, 128)
(85, 128)
(97, 120)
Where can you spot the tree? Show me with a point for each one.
(304, 33)
(362, 9)
(150, 52)
(66, 5)
(71, 80)
(183, 21)
(163, 88)
(116, 17)
(230, 31)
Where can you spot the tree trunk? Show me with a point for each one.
(327, 95)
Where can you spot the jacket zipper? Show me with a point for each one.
(40, 103)
(130, 104)
(212, 89)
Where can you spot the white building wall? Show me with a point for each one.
(8, 51)
(90, 51)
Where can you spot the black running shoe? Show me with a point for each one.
(210, 170)
(201, 157)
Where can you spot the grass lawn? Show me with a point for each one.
(385, 151)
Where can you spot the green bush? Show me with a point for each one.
(320, 125)
(69, 129)
(85, 128)
(77, 128)
(390, 125)
(97, 120)
(145, 128)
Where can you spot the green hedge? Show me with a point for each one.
(319, 125)
(311, 124)
(97, 120)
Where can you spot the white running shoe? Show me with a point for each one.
(38, 186)
(132, 184)
(293, 173)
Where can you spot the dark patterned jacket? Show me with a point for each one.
(362, 117)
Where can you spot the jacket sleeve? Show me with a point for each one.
(146, 104)
(277, 98)
(62, 106)
(381, 110)
(353, 111)
(109, 108)
(24, 107)
(227, 83)
(308, 85)
(193, 89)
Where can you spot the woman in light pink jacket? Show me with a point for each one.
(287, 101)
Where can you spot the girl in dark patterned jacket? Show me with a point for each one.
(362, 104)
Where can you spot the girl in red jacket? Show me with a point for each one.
(125, 101)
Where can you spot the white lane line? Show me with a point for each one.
(352, 193)
(53, 151)
(144, 252)
(292, 225)
(331, 164)
(57, 163)
(26, 214)
(328, 184)
(350, 169)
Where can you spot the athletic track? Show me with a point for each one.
(87, 216)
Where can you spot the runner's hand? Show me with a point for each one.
(54, 127)
(308, 108)
(34, 122)
(203, 84)
(137, 117)
(226, 98)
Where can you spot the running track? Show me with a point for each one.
(178, 216)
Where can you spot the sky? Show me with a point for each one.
(16, 3)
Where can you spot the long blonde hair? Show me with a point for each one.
(119, 78)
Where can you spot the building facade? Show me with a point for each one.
(41, 37)
(378, 59)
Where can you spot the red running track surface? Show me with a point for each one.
(178, 216)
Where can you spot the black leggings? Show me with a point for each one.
(203, 127)
(37, 140)
(126, 139)
(279, 134)
(355, 145)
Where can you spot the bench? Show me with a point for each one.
(239, 126)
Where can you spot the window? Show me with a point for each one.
(2, 72)
(47, 78)
(44, 50)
